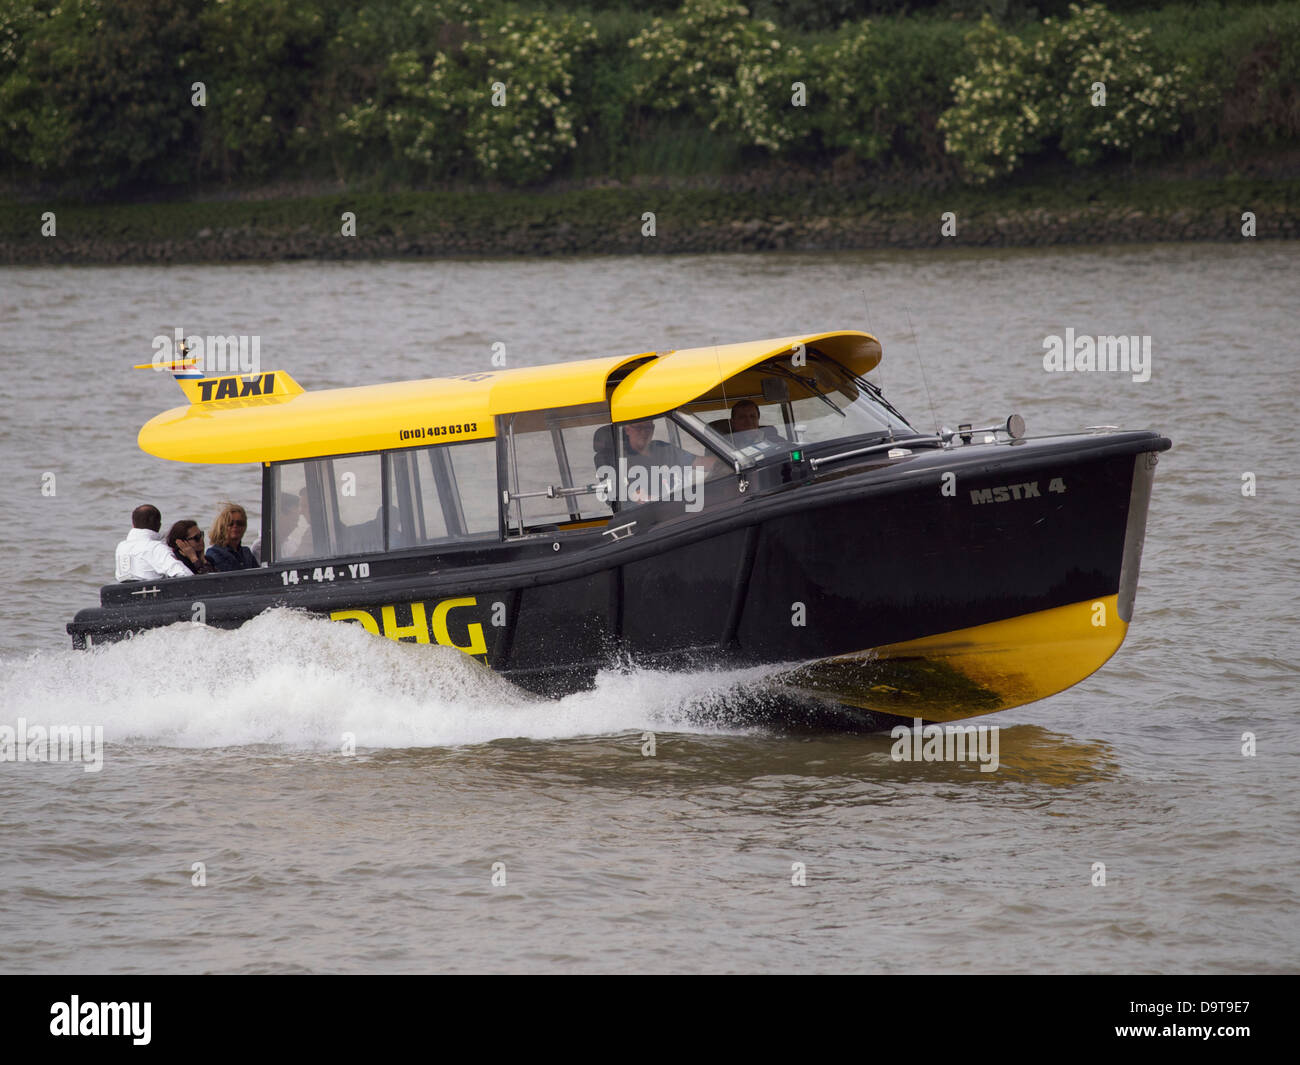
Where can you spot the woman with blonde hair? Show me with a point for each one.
(225, 551)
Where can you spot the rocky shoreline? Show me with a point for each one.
(1030, 227)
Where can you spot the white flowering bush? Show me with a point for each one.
(1141, 104)
(994, 121)
(1021, 94)
(713, 61)
(440, 115)
(534, 57)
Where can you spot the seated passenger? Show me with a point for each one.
(143, 556)
(292, 528)
(744, 425)
(227, 551)
(185, 539)
(297, 540)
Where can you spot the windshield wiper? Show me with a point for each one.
(862, 382)
(809, 383)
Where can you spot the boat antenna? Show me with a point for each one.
(867, 304)
(726, 404)
(919, 363)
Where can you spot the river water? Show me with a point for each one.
(222, 748)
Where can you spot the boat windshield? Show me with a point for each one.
(778, 405)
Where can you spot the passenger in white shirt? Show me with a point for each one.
(143, 556)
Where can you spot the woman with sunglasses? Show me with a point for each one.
(185, 539)
(227, 551)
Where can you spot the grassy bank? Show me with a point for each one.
(609, 220)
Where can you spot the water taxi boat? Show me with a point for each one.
(758, 504)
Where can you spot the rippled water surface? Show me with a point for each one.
(222, 747)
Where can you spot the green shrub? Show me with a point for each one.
(730, 72)
(1087, 84)
(95, 94)
(1094, 53)
(850, 105)
(993, 123)
(259, 63)
(501, 99)
(1260, 106)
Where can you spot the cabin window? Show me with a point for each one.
(338, 511)
(779, 404)
(853, 414)
(442, 493)
(293, 537)
(658, 460)
(356, 522)
(551, 467)
(357, 504)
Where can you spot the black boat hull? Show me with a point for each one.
(939, 585)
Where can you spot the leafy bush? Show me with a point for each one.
(712, 61)
(532, 57)
(851, 101)
(96, 93)
(501, 98)
(259, 64)
(1262, 107)
(1088, 84)
(1141, 104)
(993, 123)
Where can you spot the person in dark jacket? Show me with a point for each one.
(227, 552)
(185, 539)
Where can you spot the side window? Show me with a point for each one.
(475, 469)
(661, 461)
(441, 493)
(335, 506)
(552, 461)
(357, 489)
(417, 483)
(292, 513)
(339, 507)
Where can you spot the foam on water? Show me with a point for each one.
(286, 678)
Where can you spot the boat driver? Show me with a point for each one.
(744, 425)
(653, 464)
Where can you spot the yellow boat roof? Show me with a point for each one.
(270, 418)
(681, 376)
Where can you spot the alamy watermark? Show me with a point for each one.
(951, 743)
(633, 482)
(1126, 354)
(102, 1018)
(235, 353)
(57, 743)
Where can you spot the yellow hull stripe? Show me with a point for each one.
(978, 670)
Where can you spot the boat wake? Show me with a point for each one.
(288, 679)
